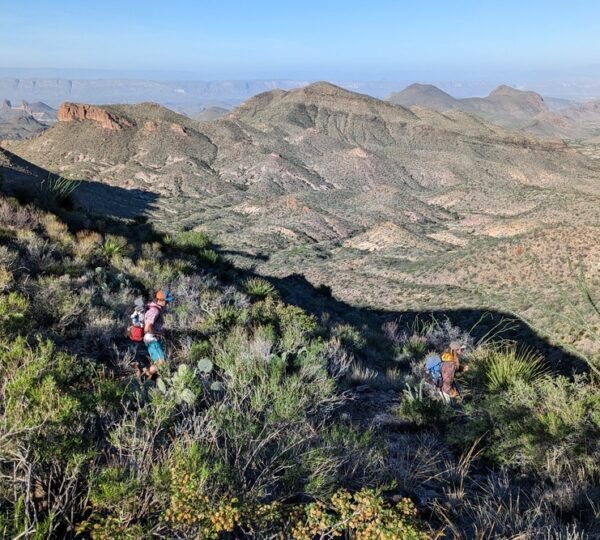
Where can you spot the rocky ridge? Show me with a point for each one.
(76, 112)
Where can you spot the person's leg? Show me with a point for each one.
(157, 357)
(448, 370)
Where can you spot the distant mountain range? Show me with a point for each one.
(24, 120)
(512, 108)
(185, 96)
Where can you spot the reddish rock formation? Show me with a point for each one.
(179, 129)
(76, 112)
(150, 126)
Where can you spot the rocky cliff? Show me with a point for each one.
(76, 112)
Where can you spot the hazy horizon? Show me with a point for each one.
(384, 41)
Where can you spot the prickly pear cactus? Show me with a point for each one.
(205, 366)
(182, 386)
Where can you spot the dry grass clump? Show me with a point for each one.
(87, 245)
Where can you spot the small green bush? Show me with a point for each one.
(13, 314)
(350, 336)
(544, 426)
(416, 347)
(192, 240)
(199, 350)
(423, 410)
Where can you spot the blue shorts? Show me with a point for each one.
(156, 351)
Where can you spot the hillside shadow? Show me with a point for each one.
(480, 323)
(28, 182)
(114, 202)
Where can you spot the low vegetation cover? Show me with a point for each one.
(267, 421)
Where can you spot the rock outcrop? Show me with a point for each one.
(77, 112)
(6, 106)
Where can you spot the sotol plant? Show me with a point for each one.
(504, 365)
(258, 287)
(59, 188)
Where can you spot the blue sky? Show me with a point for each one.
(307, 39)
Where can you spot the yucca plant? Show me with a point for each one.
(114, 246)
(59, 188)
(503, 365)
(258, 287)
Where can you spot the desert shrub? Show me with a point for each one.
(263, 400)
(423, 409)
(412, 342)
(440, 334)
(192, 240)
(87, 245)
(295, 325)
(362, 515)
(350, 337)
(114, 489)
(40, 254)
(114, 247)
(542, 426)
(39, 395)
(6, 278)
(197, 493)
(56, 308)
(509, 512)
(258, 287)
(13, 313)
(415, 347)
(199, 350)
(56, 230)
(222, 319)
(7, 256)
(101, 527)
(209, 255)
(196, 243)
(17, 217)
(345, 454)
(339, 360)
(502, 365)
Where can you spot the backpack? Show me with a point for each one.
(433, 367)
(135, 332)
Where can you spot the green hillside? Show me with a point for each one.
(269, 420)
